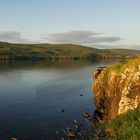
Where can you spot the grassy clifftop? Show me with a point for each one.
(117, 98)
(62, 51)
(117, 88)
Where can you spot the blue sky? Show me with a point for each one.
(96, 23)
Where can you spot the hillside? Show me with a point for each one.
(60, 51)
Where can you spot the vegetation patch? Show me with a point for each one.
(126, 126)
(64, 51)
(123, 127)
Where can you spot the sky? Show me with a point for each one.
(93, 23)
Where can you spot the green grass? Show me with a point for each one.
(123, 127)
(121, 67)
(127, 126)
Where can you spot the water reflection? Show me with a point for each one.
(32, 94)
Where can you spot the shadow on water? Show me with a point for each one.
(33, 94)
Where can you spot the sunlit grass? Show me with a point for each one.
(123, 127)
(127, 126)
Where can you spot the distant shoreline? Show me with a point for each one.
(52, 52)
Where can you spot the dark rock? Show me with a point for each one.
(14, 138)
(62, 110)
(97, 72)
(86, 116)
(98, 115)
(70, 133)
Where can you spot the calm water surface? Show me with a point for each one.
(32, 94)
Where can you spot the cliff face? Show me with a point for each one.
(117, 88)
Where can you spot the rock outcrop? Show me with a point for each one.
(117, 88)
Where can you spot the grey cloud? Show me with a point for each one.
(69, 37)
(14, 37)
(114, 46)
(79, 37)
(131, 47)
(136, 47)
(11, 36)
(87, 38)
(101, 39)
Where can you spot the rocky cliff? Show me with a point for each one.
(117, 88)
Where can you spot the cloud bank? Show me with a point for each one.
(86, 38)
(11, 36)
(80, 37)
(14, 37)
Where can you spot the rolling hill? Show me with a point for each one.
(60, 51)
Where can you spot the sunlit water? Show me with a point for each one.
(33, 93)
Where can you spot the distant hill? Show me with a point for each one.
(61, 51)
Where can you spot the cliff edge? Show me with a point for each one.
(117, 88)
